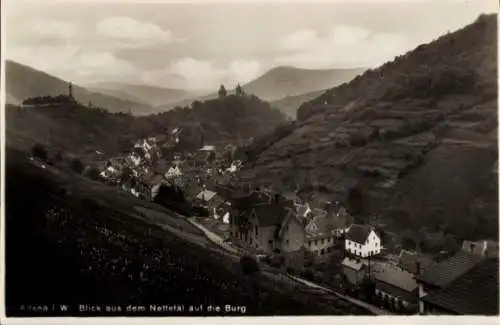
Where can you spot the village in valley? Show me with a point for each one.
(348, 189)
(303, 235)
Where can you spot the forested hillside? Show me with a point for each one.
(416, 139)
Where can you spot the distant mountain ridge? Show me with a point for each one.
(23, 82)
(281, 82)
(290, 104)
(150, 95)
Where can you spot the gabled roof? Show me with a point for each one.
(475, 292)
(358, 233)
(352, 264)
(408, 261)
(396, 277)
(320, 225)
(445, 272)
(206, 195)
(245, 202)
(303, 210)
(269, 214)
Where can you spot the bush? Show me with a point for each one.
(39, 151)
(93, 173)
(77, 165)
(308, 274)
(249, 265)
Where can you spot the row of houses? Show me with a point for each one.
(465, 283)
(269, 223)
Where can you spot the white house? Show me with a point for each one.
(362, 241)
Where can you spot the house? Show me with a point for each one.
(267, 224)
(397, 285)
(149, 185)
(208, 198)
(320, 237)
(354, 270)
(487, 248)
(362, 241)
(410, 261)
(443, 274)
(324, 230)
(474, 292)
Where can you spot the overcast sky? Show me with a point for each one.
(200, 45)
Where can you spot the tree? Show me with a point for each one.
(77, 165)
(408, 242)
(250, 268)
(249, 265)
(58, 157)
(355, 201)
(93, 173)
(239, 90)
(222, 92)
(39, 151)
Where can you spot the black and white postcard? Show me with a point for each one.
(250, 159)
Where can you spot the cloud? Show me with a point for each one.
(129, 32)
(54, 29)
(243, 71)
(193, 74)
(72, 63)
(342, 46)
(300, 39)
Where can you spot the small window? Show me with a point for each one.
(322, 241)
(322, 252)
(309, 243)
(270, 242)
(287, 241)
(316, 242)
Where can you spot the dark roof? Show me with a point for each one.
(473, 293)
(269, 214)
(358, 233)
(445, 272)
(245, 202)
(408, 261)
(398, 278)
